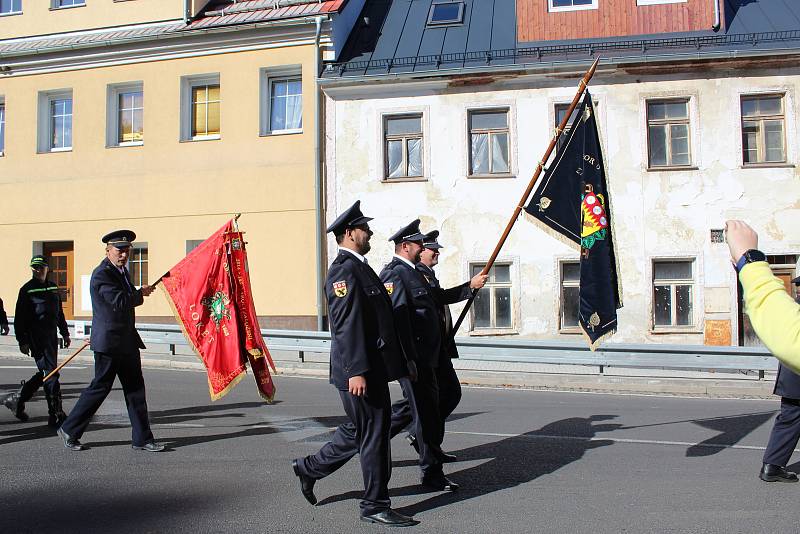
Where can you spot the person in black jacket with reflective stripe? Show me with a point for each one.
(417, 308)
(365, 356)
(37, 317)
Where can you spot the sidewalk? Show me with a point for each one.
(487, 374)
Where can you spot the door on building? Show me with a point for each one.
(783, 266)
(60, 260)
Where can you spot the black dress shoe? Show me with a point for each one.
(776, 473)
(70, 443)
(390, 518)
(439, 482)
(306, 484)
(150, 446)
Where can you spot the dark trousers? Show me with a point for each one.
(128, 367)
(785, 433)
(419, 407)
(46, 361)
(368, 434)
(449, 389)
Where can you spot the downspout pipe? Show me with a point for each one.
(717, 16)
(187, 9)
(318, 199)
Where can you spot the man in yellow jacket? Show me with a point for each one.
(775, 317)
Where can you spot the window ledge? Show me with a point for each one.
(570, 8)
(66, 7)
(11, 14)
(126, 145)
(405, 179)
(490, 176)
(55, 150)
(493, 332)
(767, 166)
(274, 133)
(202, 138)
(675, 330)
(673, 168)
(570, 331)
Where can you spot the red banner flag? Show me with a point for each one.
(213, 303)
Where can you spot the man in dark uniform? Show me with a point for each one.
(786, 431)
(417, 317)
(116, 345)
(365, 357)
(37, 318)
(3, 320)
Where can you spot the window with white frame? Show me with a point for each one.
(571, 5)
(281, 106)
(55, 121)
(2, 126)
(569, 301)
(9, 7)
(673, 293)
(403, 146)
(57, 4)
(668, 141)
(125, 110)
(763, 131)
(137, 264)
(200, 107)
(488, 142)
(493, 305)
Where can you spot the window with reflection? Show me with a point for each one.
(488, 142)
(668, 143)
(493, 306)
(673, 293)
(403, 146)
(763, 132)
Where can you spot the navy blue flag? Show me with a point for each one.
(572, 199)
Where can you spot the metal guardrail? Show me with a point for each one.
(517, 350)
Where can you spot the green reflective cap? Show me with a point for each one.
(38, 261)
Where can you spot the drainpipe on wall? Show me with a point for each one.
(717, 18)
(187, 6)
(318, 200)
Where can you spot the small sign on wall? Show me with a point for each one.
(718, 333)
(80, 329)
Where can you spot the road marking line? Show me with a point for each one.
(618, 440)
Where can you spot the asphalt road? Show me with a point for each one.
(529, 461)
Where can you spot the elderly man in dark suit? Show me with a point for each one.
(116, 345)
(365, 357)
(417, 308)
(786, 431)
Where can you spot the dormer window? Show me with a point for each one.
(446, 13)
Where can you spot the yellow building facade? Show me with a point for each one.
(169, 132)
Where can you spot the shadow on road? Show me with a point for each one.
(732, 429)
(511, 461)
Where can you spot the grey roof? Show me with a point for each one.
(398, 40)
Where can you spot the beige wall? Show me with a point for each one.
(38, 18)
(167, 191)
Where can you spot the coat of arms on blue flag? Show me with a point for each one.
(572, 199)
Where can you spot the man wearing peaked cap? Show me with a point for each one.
(365, 357)
(116, 345)
(37, 319)
(416, 309)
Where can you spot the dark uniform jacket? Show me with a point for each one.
(417, 310)
(113, 316)
(363, 337)
(787, 383)
(3, 316)
(38, 315)
(452, 295)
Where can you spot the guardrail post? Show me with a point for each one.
(302, 356)
(172, 348)
(761, 374)
(602, 367)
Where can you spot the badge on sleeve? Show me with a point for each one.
(340, 288)
(389, 287)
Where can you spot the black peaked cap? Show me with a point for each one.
(429, 240)
(120, 238)
(350, 217)
(410, 232)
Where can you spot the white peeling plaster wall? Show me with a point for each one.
(660, 214)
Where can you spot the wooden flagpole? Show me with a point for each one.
(581, 88)
(57, 369)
